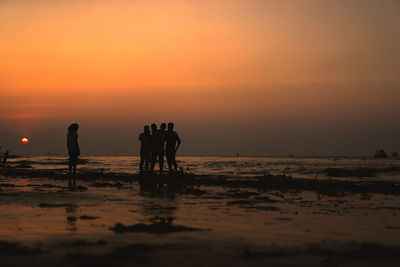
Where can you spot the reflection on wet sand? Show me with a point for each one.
(300, 167)
(71, 218)
(166, 222)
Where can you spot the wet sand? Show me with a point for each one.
(118, 219)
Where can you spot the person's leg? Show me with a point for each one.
(174, 161)
(161, 160)
(74, 175)
(142, 159)
(147, 160)
(153, 159)
(70, 163)
(169, 160)
(75, 162)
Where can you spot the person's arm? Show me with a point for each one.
(5, 157)
(77, 145)
(68, 143)
(140, 137)
(178, 140)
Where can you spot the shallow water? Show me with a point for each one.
(301, 167)
(58, 225)
(30, 213)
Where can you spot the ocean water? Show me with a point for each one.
(299, 167)
(76, 225)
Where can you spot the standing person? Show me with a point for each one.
(161, 145)
(5, 158)
(73, 151)
(172, 144)
(145, 139)
(154, 146)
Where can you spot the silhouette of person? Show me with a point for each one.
(161, 145)
(73, 151)
(146, 142)
(5, 157)
(172, 144)
(158, 146)
(155, 145)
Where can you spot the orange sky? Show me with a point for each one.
(138, 61)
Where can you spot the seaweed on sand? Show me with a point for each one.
(154, 228)
(193, 191)
(82, 242)
(180, 181)
(88, 217)
(104, 184)
(23, 166)
(284, 183)
(359, 172)
(56, 205)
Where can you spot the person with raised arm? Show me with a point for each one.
(172, 144)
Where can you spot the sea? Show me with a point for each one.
(297, 167)
(46, 221)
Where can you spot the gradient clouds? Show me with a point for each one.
(216, 63)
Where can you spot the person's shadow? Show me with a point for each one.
(71, 218)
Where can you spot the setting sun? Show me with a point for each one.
(24, 140)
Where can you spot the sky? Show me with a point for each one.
(255, 77)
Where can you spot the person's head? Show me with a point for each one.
(146, 129)
(170, 126)
(163, 126)
(73, 128)
(154, 127)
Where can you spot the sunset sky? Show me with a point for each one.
(255, 77)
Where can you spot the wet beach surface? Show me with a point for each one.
(301, 167)
(120, 221)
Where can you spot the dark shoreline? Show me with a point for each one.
(329, 187)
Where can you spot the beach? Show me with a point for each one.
(279, 218)
(199, 133)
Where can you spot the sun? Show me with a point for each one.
(24, 140)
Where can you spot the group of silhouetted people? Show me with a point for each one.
(155, 144)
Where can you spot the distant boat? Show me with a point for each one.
(380, 154)
(394, 155)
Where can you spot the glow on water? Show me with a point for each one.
(306, 167)
(289, 221)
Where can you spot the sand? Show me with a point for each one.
(122, 220)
